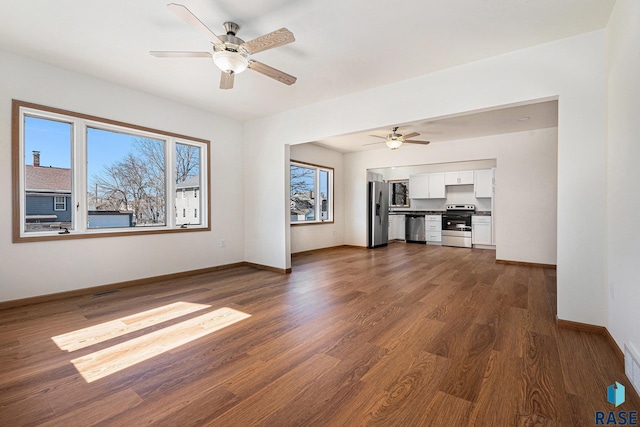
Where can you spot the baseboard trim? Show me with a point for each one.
(313, 251)
(130, 283)
(592, 329)
(268, 268)
(525, 264)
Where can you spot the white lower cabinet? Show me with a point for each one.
(481, 230)
(433, 226)
(396, 227)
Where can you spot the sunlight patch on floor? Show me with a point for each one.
(105, 331)
(121, 356)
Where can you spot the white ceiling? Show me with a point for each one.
(508, 119)
(341, 46)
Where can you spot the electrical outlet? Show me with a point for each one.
(222, 243)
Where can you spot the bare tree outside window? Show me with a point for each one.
(132, 185)
(311, 188)
(303, 181)
(187, 162)
(135, 183)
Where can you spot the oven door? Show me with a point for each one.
(456, 222)
(456, 230)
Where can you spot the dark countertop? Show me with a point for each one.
(415, 212)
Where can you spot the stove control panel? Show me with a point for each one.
(461, 207)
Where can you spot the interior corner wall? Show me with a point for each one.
(571, 69)
(623, 238)
(266, 217)
(306, 237)
(40, 268)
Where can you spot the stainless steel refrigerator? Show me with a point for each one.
(378, 214)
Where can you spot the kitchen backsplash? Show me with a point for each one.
(456, 195)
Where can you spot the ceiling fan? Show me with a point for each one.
(394, 140)
(230, 53)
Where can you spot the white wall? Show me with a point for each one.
(572, 69)
(525, 198)
(623, 238)
(37, 268)
(315, 236)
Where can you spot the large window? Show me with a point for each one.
(311, 193)
(82, 176)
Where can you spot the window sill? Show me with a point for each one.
(44, 237)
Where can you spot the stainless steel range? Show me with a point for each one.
(456, 225)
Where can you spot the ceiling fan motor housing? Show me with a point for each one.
(231, 43)
(231, 28)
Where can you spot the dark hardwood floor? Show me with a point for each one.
(406, 335)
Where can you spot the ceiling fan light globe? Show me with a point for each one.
(394, 143)
(230, 61)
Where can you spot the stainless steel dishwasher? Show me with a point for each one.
(415, 231)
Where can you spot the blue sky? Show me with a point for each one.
(53, 140)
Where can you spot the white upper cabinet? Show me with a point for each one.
(433, 185)
(483, 185)
(436, 186)
(427, 186)
(419, 186)
(458, 178)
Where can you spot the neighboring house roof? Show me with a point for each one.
(193, 182)
(96, 212)
(47, 179)
(300, 203)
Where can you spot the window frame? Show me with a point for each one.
(318, 205)
(79, 199)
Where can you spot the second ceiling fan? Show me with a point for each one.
(394, 140)
(230, 53)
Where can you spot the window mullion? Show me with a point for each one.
(80, 206)
(329, 196)
(202, 188)
(170, 182)
(318, 200)
(21, 177)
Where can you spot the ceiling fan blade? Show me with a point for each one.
(411, 135)
(226, 80)
(188, 17)
(413, 141)
(269, 41)
(378, 136)
(176, 54)
(268, 71)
